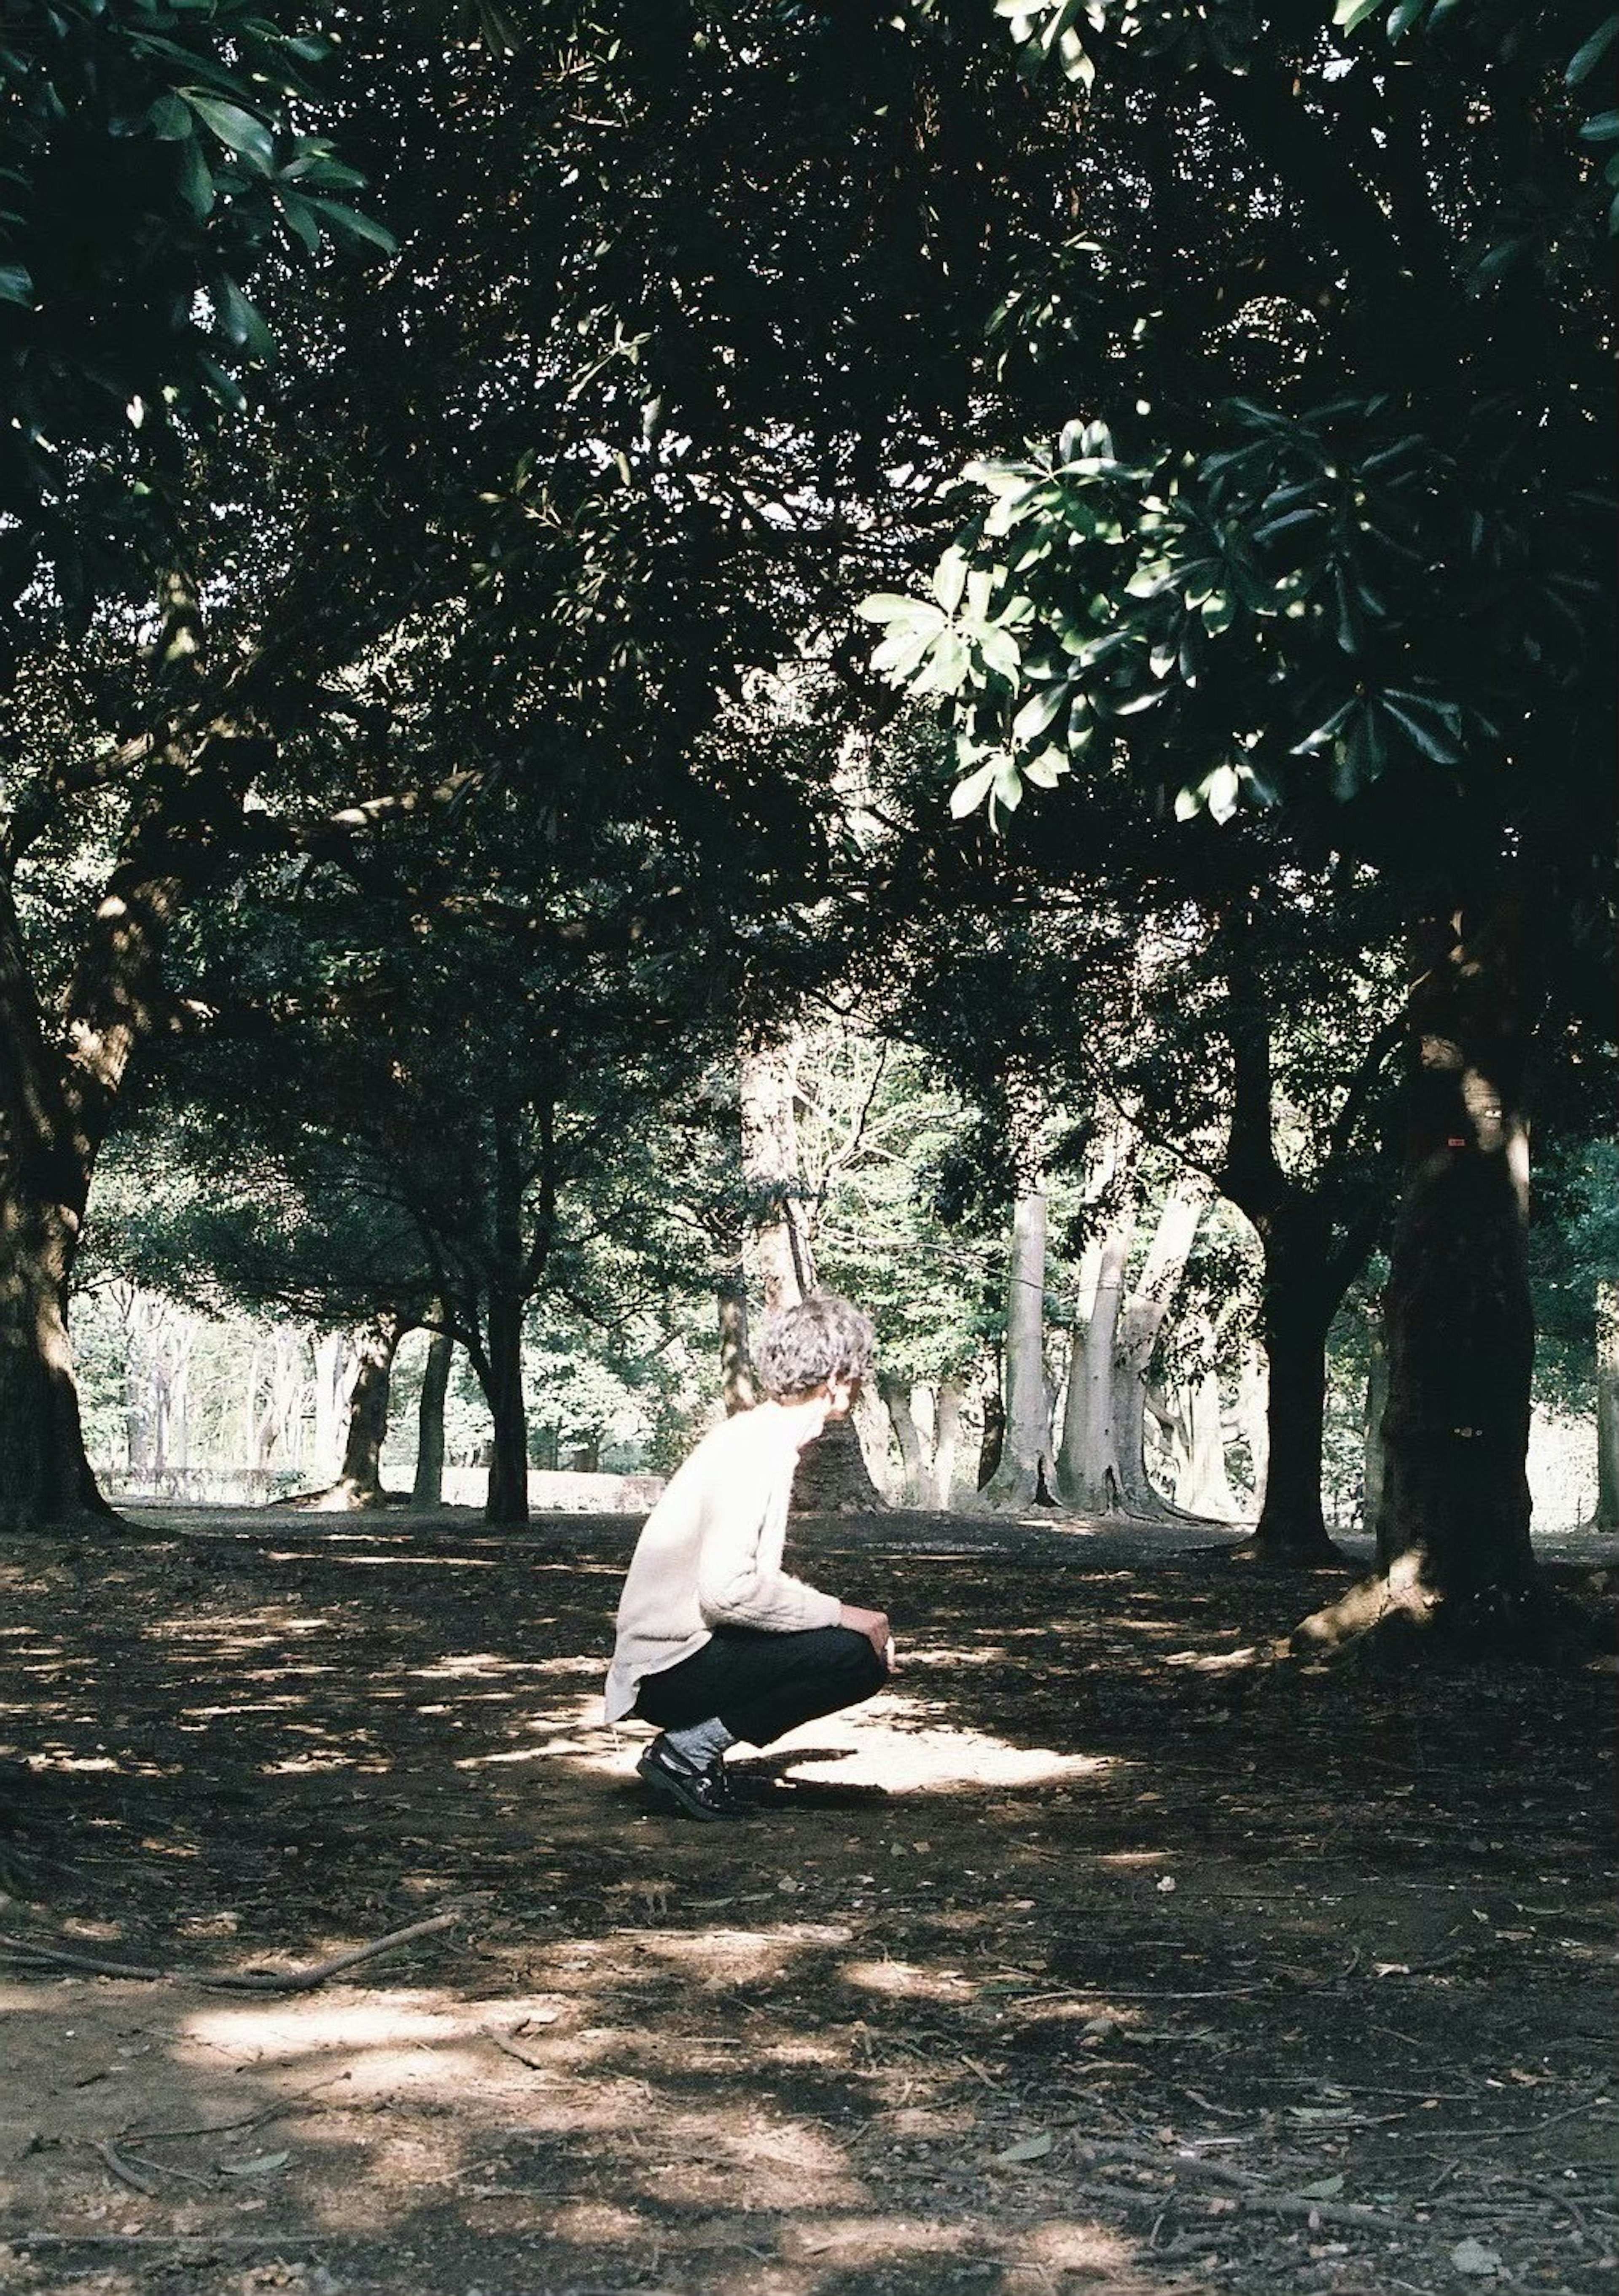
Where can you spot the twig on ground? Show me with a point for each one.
(126, 2171)
(291, 1981)
(1251, 2192)
(166, 2239)
(243, 2121)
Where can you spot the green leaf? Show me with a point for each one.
(1602, 127)
(1349, 16)
(196, 180)
(969, 795)
(301, 220)
(169, 120)
(949, 580)
(886, 606)
(247, 137)
(242, 322)
(1039, 712)
(1586, 59)
(16, 286)
(349, 224)
(1000, 653)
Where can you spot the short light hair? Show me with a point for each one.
(805, 1348)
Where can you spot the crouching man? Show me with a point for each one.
(717, 1643)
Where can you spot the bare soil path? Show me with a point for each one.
(1071, 1962)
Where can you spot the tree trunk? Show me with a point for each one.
(427, 1486)
(359, 1482)
(992, 1440)
(895, 1393)
(1377, 1402)
(1295, 1314)
(330, 1433)
(1453, 1546)
(736, 1366)
(1607, 1406)
(1460, 1324)
(946, 1439)
(1022, 1478)
(1140, 1325)
(1197, 1439)
(508, 1495)
(1088, 1473)
(44, 1476)
(768, 1082)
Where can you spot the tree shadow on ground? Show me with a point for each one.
(1059, 1964)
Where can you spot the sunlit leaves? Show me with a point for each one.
(1224, 621)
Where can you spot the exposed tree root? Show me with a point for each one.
(1400, 1617)
(345, 1497)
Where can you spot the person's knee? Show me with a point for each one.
(860, 1661)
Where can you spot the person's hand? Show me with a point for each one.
(874, 1626)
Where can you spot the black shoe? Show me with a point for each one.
(703, 1794)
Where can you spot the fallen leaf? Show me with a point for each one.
(1324, 2189)
(260, 2165)
(1473, 2257)
(1033, 2148)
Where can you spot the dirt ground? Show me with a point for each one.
(1069, 1963)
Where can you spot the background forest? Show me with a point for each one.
(654, 655)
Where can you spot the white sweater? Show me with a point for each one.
(710, 1556)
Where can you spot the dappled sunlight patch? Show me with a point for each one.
(840, 2241)
(885, 1750)
(903, 1980)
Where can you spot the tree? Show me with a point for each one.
(1224, 591)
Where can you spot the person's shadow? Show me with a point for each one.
(762, 1783)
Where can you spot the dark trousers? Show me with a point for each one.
(760, 1685)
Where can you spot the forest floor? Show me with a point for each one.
(1077, 1960)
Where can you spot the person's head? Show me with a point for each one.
(823, 1345)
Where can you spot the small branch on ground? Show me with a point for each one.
(292, 1981)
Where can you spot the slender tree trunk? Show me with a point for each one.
(946, 1439)
(1607, 1406)
(833, 1476)
(736, 1366)
(768, 1082)
(1088, 1476)
(1022, 1477)
(1253, 1403)
(508, 1495)
(427, 1486)
(1197, 1441)
(1140, 1325)
(992, 1440)
(895, 1393)
(329, 1419)
(1377, 1402)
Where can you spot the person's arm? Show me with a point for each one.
(738, 1582)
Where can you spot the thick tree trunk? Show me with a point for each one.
(426, 1486)
(359, 1482)
(44, 1476)
(1453, 1542)
(1295, 1315)
(992, 1439)
(45, 1158)
(1607, 1404)
(1023, 1477)
(1461, 1326)
(508, 1495)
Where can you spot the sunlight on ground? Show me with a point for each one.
(889, 1744)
